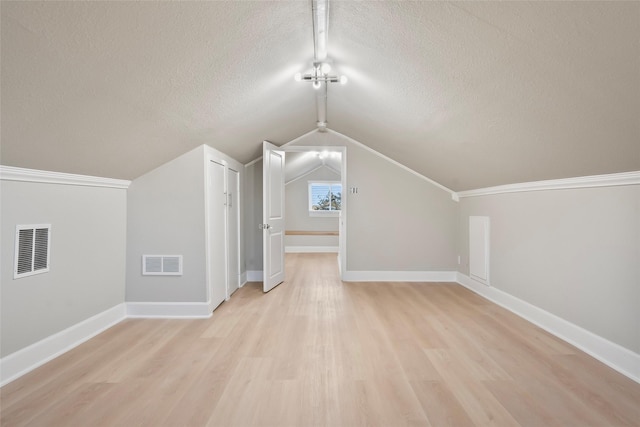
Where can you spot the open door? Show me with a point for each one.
(273, 216)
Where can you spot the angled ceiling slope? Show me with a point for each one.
(117, 88)
(470, 94)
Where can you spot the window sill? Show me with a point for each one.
(324, 213)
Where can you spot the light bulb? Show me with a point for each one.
(343, 80)
(325, 68)
(297, 77)
(316, 85)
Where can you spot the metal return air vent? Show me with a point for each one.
(162, 265)
(32, 250)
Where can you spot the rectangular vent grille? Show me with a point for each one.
(162, 265)
(32, 250)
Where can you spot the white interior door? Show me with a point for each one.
(273, 216)
(233, 191)
(217, 234)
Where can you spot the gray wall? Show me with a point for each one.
(253, 216)
(166, 216)
(297, 211)
(574, 253)
(87, 276)
(397, 222)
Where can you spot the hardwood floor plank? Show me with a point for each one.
(440, 405)
(319, 352)
(479, 404)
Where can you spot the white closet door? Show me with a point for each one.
(217, 234)
(233, 198)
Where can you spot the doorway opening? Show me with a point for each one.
(307, 192)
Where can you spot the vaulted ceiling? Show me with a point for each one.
(469, 94)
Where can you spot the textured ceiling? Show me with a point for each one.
(300, 164)
(469, 94)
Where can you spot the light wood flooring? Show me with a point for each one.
(319, 352)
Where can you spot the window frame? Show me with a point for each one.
(331, 184)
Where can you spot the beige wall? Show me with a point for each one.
(397, 221)
(87, 275)
(574, 253)
(297, 211)
(166, 216)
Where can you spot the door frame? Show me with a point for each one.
(236, 201)
(342, 236)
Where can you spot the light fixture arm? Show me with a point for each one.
(320, 74)
(327, 79)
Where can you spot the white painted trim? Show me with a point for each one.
(280, 146)
(310, 249)
(611, 354)
(243, 278)
(255, 276)
(306, 173)
(169, 310)
(398, 164)
(610, 180)
(293, 141)
(399, 276)
(454, 195)
(37, 354)
(10, 173)
(482, 223)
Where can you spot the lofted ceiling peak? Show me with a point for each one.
(469, 94)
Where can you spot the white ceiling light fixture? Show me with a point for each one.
(319, 75)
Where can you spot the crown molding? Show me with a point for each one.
(454, 195)
(396, 163)
(609, 180)
(10, 173)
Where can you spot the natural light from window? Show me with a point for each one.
(325, 197)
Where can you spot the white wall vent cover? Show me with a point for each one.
(162, 265)
(32, 250)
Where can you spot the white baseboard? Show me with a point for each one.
(399, 276)
(169, 310)
(29, 358)
(611, 354)
(255, 276)
(243, 279)
(310, 249)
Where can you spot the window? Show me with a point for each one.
(32, 250)
(325, 197)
